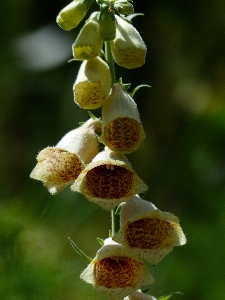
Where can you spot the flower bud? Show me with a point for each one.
(128, 48)
(108, 180)
(107, 23)
(124, 7)
(122, 130)
(93, 84)
(150, 232)
(71, 15)
(59, 166)
(138, 295)
(116, 271)
(88, 44)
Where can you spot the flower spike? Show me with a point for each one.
(122, 130)
(150, 232)
(93, 84)
(116, 271)
(59, 166)
(108, 180)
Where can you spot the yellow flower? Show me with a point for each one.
(128, 48)
(59, 166)
(138, 295)
(150, 232)
(116, 271)
(93, 84)
(108, 180)
(72, 14)
(122, 129)
(88, 43)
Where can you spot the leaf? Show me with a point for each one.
(138, 87)
(165, 297)
(130, 17)
(101, 241)
(79, 251)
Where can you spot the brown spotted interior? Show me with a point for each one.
(109, 182)
(123, 134)
(117, 272)
(62, 166)
(149, 233)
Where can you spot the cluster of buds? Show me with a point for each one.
(106, 177)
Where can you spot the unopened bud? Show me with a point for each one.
(107, 23)
(71, 15)
(93, 84)
(88, 44)
(128, 48)
(124, 7)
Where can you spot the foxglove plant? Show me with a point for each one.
(106, 177)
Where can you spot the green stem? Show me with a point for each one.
(113, 222)
(110, 61)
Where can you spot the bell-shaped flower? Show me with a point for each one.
(138, 295)
(128, 48)
(150, 232)
(109, 180)
(59, 166)
(72, 14)
(107, 23)
(122, 130)
(116, 271)
(88, 43)
(93, 84)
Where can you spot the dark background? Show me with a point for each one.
(182, 158)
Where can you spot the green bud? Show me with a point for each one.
(88, 44)
(71, 15)
(124, 7)
(107, 23)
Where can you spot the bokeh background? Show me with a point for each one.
(182, 159)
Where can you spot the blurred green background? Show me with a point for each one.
(182, 159)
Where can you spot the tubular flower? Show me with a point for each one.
(122, 128)
(88, 44)
(128, 48)
(108, 180)
(116, 271)
(59, 166)
(93, 84)
(72, 14)
(138, 295)
(107, 23)
(150, 232)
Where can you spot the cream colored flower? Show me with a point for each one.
(93, 84)
(128, 48)
(88, 43)
(108, 180)
(150, 232)
(122, 130)
(138, 295)
(116, 271)
(59, 166)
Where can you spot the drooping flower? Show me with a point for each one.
(93, 84)
(138, 295)
(128, 48)
(108, 180)
(122, 130)
(88, 43)
(116, 271)
(59, 166)
(150, 232)
(72, 14)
